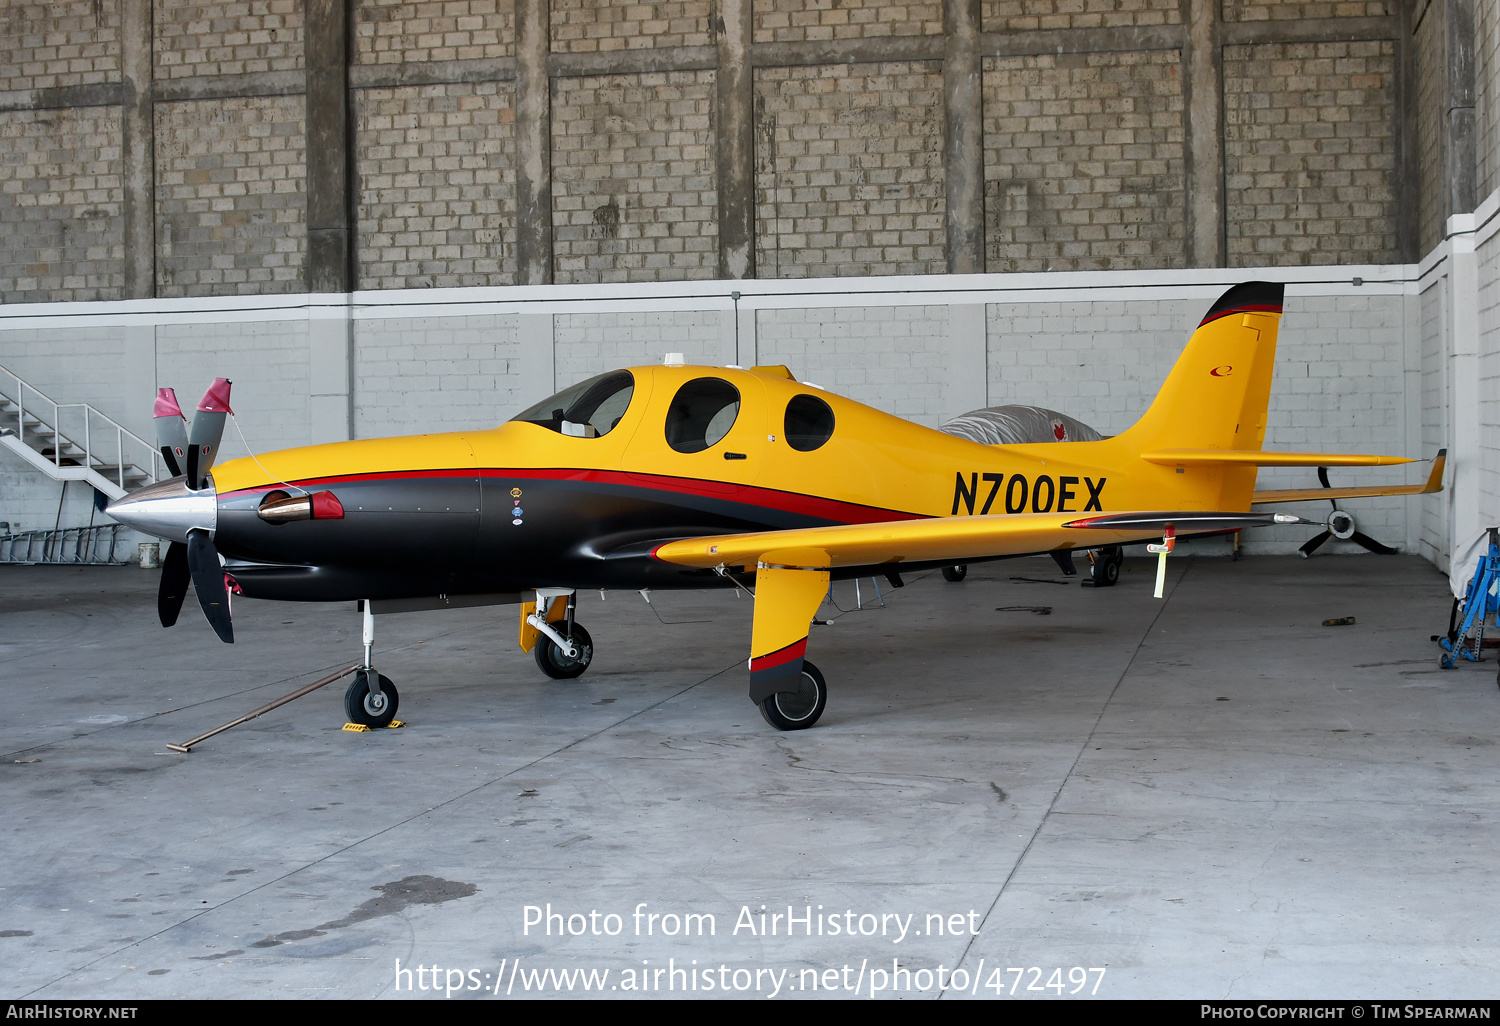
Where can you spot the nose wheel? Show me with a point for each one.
(371, 710)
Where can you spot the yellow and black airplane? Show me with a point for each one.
(703, 477)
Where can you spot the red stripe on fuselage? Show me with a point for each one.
(814, 506)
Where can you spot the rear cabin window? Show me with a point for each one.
(587, 410)
(701, 414)
(809, 423)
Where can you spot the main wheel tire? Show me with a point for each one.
(551, 660)
(358, 704)
(954, 574)
(799, 709)
(1105, 570)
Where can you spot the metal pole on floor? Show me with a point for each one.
(283, 700)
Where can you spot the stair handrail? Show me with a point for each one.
(153, 465)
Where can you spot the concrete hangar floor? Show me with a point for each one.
(1207, 796)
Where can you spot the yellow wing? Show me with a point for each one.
(945, 538)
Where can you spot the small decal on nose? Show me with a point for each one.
(516, 521)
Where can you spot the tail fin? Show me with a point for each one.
(1217, 393)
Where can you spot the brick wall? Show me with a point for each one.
(227, 37)
(435, 374)
(1310, 154)
(60, 205)
(1431, 121)
(1293, 10)
(634, 195)
(589, 344)
(1487, 98)
(588, 26)
(892, 358)
(397, 31)
(65, 43)
(1083, 162)
(795, 21)
(1023, 15)
(437, 186)
(849, 170)
(230, 199)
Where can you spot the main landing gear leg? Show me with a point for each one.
(371, 699)
(564, 649)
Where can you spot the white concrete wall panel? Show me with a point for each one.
(1488, 254)
(1433, 541)
(589, 344)
(457, 373)
(1359, 368)
(892, 358)
(1099, 361)
(268, 363)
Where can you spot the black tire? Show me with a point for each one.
(954, 574)
(357, 701)
(550, 659)
(800, 709)
(1105, 571)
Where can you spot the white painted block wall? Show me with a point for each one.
(1359, 368)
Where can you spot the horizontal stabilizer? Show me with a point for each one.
(1258, 458)
(1434, 483)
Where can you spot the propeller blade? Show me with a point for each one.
(174, 584)
(208, 429)
(208, 582)
(1371, 544)
(171, 431)
(1311, 545)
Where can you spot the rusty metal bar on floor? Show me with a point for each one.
(278, 703)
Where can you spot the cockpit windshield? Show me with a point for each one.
(587, 410)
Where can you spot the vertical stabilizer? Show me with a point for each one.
(1217, 393)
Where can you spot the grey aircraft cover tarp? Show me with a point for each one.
(1019, 425)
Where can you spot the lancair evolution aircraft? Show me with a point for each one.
(704, 477)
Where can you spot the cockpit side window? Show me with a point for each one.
(809, 423)
(587, 410)
(701, 414)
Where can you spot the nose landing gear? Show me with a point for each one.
(371, 699)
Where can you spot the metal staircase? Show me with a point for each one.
(71, 442)
(74, 441)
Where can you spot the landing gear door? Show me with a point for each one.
(703, 427)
